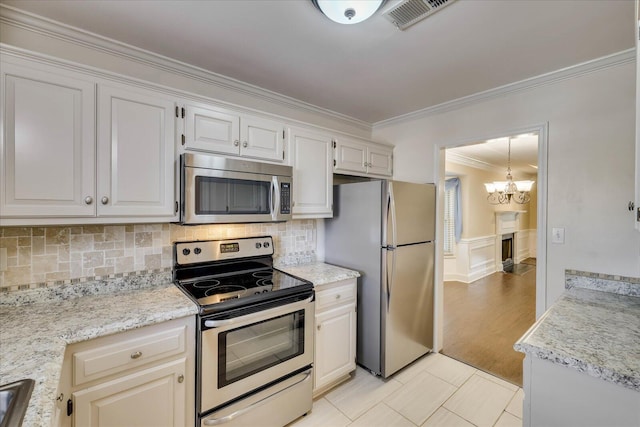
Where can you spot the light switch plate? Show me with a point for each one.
(557, 235)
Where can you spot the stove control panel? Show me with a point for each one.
(215, 250)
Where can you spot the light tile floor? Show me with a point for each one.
(435, 391)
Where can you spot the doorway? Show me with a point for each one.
(489, 271)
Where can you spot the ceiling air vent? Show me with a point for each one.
(407, 12)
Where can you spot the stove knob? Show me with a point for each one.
(258, 245)
(197, 251)
(186, 252)
(266, 244)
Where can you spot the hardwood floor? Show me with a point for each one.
(483, 319)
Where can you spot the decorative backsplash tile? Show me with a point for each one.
(37, 256)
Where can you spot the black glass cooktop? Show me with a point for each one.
(228, 289)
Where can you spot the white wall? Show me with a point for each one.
(591, 127)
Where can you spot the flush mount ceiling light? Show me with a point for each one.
(502, 192)
(348, 11)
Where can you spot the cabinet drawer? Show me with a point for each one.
(343, 293)
(104, 360)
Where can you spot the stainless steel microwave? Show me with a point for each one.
(218, 190)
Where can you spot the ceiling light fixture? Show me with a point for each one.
(348, 11)
(502, 192)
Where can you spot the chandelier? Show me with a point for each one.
(503, 192)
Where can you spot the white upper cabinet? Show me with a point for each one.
(136, 152)
(211, 130)
(363, 158)
(78, 149)
(220, 131)
(48, 147)
(311, 155)
(262, 138)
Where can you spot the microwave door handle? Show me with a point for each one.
(275, 198)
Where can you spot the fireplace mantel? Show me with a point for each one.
(507, 222)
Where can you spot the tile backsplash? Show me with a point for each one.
(40, 256)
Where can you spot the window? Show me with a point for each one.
(449, 220)
(452, 215)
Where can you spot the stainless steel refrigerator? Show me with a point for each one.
(386, 231)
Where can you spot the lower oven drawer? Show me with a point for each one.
(275, 406)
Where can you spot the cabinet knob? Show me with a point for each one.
(245, 144)
(181, 378)
(338, 296)
(236, 143)
(88, 200)
(136, 355)
(319, 327)
(104, 200)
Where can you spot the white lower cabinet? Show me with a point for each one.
(151, 397)
(335, 335)
(560, 396)
(143, 377)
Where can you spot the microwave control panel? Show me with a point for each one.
(285, 198)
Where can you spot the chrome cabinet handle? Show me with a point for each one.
(88, 200)
(319, 326)
(338, 296)
(104, 200)
(181, 379)
(245, 144)
(136, 355)
(236, 143)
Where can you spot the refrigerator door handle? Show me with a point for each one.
(391, 216)
(391, 275)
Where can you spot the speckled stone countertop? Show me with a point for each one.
(37, 325)
(319, 273)
(592, 331)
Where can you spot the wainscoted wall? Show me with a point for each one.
(41, 256)
(481, 256)
(474, 259)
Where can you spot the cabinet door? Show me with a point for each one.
(48, 150)
(311, 156)
(351, 156)
(136, 153)
(211, 130)
(152, 397)
(380, 161)
(335, 351)
(262, 138)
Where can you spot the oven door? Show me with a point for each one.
(219, 196)
(242, 354)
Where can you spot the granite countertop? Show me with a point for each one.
(319, 273)
(591, 331)
(37, 326)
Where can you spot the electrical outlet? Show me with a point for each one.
(3, 259)
(557, 235)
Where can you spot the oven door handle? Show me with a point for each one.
(231, 416)
(225, 322)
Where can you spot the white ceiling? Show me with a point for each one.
(493, 154)
(370, 71)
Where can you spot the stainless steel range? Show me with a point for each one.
(255, 332)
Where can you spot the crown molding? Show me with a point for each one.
(598, 64)
(468, 161)
(49, 28)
